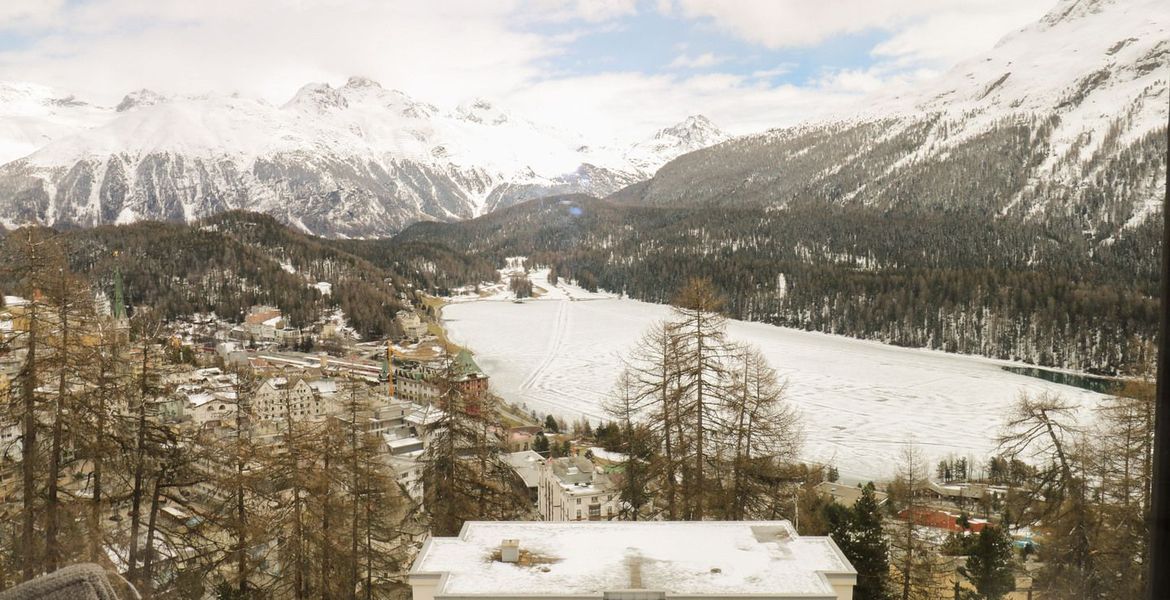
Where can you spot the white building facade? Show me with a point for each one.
(573, 489)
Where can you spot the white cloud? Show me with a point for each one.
(630, 106)
(701, 61)
(777, 71)
(446, 52)
(952, 35)
(25, 14)
(593, 11)
(443, 52)
(794, 23)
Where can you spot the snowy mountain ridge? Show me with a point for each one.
(352, 160)
(1060, 121)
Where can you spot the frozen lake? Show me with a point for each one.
(861, 401)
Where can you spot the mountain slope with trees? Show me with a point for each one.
(949, 280)
(1062, 122)
(235, 260)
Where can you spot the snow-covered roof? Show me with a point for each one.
(423, 415)
(325, 387)
(527, 465)
(405, 442)
(760, 558)
(199, 399)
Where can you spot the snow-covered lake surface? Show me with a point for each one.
(861, 401)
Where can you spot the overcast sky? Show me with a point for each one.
(619, 68)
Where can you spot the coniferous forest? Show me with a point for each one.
(948, 280)
(954, 280)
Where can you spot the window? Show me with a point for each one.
(578, 500)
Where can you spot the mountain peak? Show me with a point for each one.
(359, 82)
(142, 97)
(480, 110)
(318, 97)
(695, 129)
(1071, 10)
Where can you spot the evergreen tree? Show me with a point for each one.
(989, 567)
(540, 444)
(636, 447)
(859, 533)
(463, 476)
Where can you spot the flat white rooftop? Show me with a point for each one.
(765, 559)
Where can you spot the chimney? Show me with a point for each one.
(510, 551)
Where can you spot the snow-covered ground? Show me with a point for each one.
(861, 401)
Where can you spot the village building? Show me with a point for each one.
(521, 438)
(846, 495)
(418, 367)
(408, 471)
(204, 407)
(414, 388)
(412, 326)
(631, 560)
(573, 489)
(962, 493)
(414, 368)
(281, 397)
(261, 323)
(941, 519)
(469, 378)
(527, 464)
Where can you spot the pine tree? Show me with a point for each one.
(463, 476)
(699, 330)
(989, 567)
(653, 369)
(914, 564)
(859, 533)
(636, 447)
(761, 434)
(540, 445)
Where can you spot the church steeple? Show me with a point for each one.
(119, 299)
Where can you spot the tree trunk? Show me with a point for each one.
(29, 449)
(671, 482)
(147, 579)
(697, 485)
(136, 493)
(139, 462)
(52, 508)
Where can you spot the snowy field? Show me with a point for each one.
(861, 401)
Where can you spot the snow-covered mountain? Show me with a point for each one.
(33, 115)
(1063, 120)
(353, 160)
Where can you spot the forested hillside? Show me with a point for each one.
(949, 279)
(234, 260)
(895, 165)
